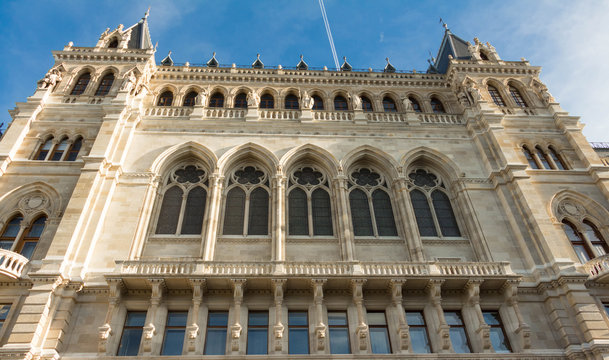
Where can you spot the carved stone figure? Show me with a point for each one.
(307, 101)
(407, 104)
(129, 82)
(546, 96)
(357, 102)
(463, 99)
(51, 78)
(201, 98)
(253, 99)
(474, 91)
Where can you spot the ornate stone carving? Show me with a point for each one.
(307, 101)
(253, 99)
(51, 78)
(570, 208)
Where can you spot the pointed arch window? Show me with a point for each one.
(43, 150)
(309, 205)
(166, 98)
(483, 56)
(22, 241)
(318, 103)
(246, 210)
(291, 102)
(340, 103)
(370, 204)
(389, 104)
(416, 106)
(366, 104)
(113, 44)
(557, 159)
(437, 106)
(530, 158)
(190, 99)
(496, 96)
(517, 97)
(431, 205)
(267, 101)
(543, 157)
(241, 101)
(105, 85)
(74, 149)
(183, 202)
(216, 100)
(583, 251)
(81, 84)
(10, 233)
(58, 150)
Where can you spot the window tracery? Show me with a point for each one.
(370, 204)
(81, 84)
(431, 205)
(246, 209)
(64, 150)
(105, 85)
(496, 96)
(22, 239)
(517, 96)
(309, 204)
(586, 239)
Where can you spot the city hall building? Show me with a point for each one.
(169, 211)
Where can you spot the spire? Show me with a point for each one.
(140, 34)
(452, 45)
(167, 61)
(258, 63)
(388, 68)
(345, 66)
(213, 62)
(302, 65)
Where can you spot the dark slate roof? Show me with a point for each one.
(258, 64)
(213, 62)
(451, 45)
(302, 65)
(140, 35)
(345, 66)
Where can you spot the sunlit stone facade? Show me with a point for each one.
(161, 209)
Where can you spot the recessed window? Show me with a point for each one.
(190, 99)
(379, 334)
(338, 327)
(596, 239)
(437, 106)
(74, 150)
(415, 104)
(81, 84)
(217, 324)
(530, 158)
(10, 232)
(309, 208)
(59, 149)
(557, 159)
(458, 334)
(291, 102)
(418, 332)
(483, 56)
(257, 332)
(175, 329)
(246, 210)
(298, 332)
(366, 104)
(496, 96)
(105, 85)
(113, 44)
(340, 103)
(22, 242)
(267, 101)
(216, 100)
(543, 157)
(498, 339)
(166, 99)
(44, 149)
(132, 333)
(241, 101)
(584, 253)
(518, 99)
(389, 104)
(318, 103)
(4, 311)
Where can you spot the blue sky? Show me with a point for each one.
(568, 39)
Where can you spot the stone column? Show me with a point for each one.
(522, 329)
(481, 328)
(345, 229)
(408, 220)
(158, 288)
(320, 327)
(115, 293)
(278, 217)
(278, 328)
(434, 290)
(211, 232)
(396, 300)
(236, 328)
(362, 326)
(193, 330)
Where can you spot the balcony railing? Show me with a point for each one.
(222, 113)
(440, 119)
(11, 264)
(323, 115)
(168, 111)
(385, 117)
(279, 114)
(598, 268)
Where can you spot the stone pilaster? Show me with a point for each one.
(236, 329)
(320, 327)
(158, 288)
(193, 330)
(396, 300)
(362, 325)
(434, 291)
(278, 328)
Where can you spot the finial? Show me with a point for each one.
(300, 56)
(257, 56)
(147, 13)
(387, 59)
(444, 24)
(169, 53)
(344, 58)
(214, 54)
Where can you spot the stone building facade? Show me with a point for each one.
(180, 211)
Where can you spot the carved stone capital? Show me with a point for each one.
(320, 336)
(318, 289)
(238, 289)
(404, 336)
(362, 336)
(278, 289)
(357, 288)
(395, 285)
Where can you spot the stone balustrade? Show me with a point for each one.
(385, 117)
(222, 113)
(168, 111)
(598, 268)
(323, 115)
(272, 114)
(440, 119)
(11, 264)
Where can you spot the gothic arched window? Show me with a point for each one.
(183, 204)
(309, 208)
(543, 157)
(366, 104)
(496, 96)
(246, 211)
(530, 158)
(113, 44)
(370, 204)
(58, 150)
(11, 232)
(518, 99)
(22, 241)
(437, 106)
(291, 102)
(166, 98)
(415, 104)
(318, 103)
(583, 251)
(105, 85)
(43, 150)
(81, 84)
(74, 149)
(557, 159)
(190, 98)
(216, 100)
(389, 104)
(340, 103)
(267, 101)
(431, 205)
(241, 101)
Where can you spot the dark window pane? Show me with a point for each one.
(130, 342)
(299, 318)
(339, 341)
(81, 84)
(258, 222)
(543, 158)
(366, 104)
(496, 96)
(59, 149)
(595, 237)
(234, 212)
(518, 99)
(136, 319)
(498, 338)
(177, 318)
(298, 213)
(340, 104)
(4, 310)
(216, 100)
(379, 338)
(258, 319)
(189, 99)
(436, 106)
(257, 341)
(105, 85)
(267, 101)
(44, 149)
(194, 211)
(419, 340)
(414, 318)
(444, 213)
(170, 211)
(74, 149)
(12, 228)
(459, 340)
(291, 102)
(415, 104)
(560, 165)
(491, 318)
(217, 319)
(337, 318)
(216, 341)
(360, 213)
(389, 105)
(322, 212)
(28, 249)
(241, 101)
(173, 342)
(36, 228)
(166, 99)
(531, 160)
(383, 213)
(423, 214)
(298, 332)
(318, 103)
